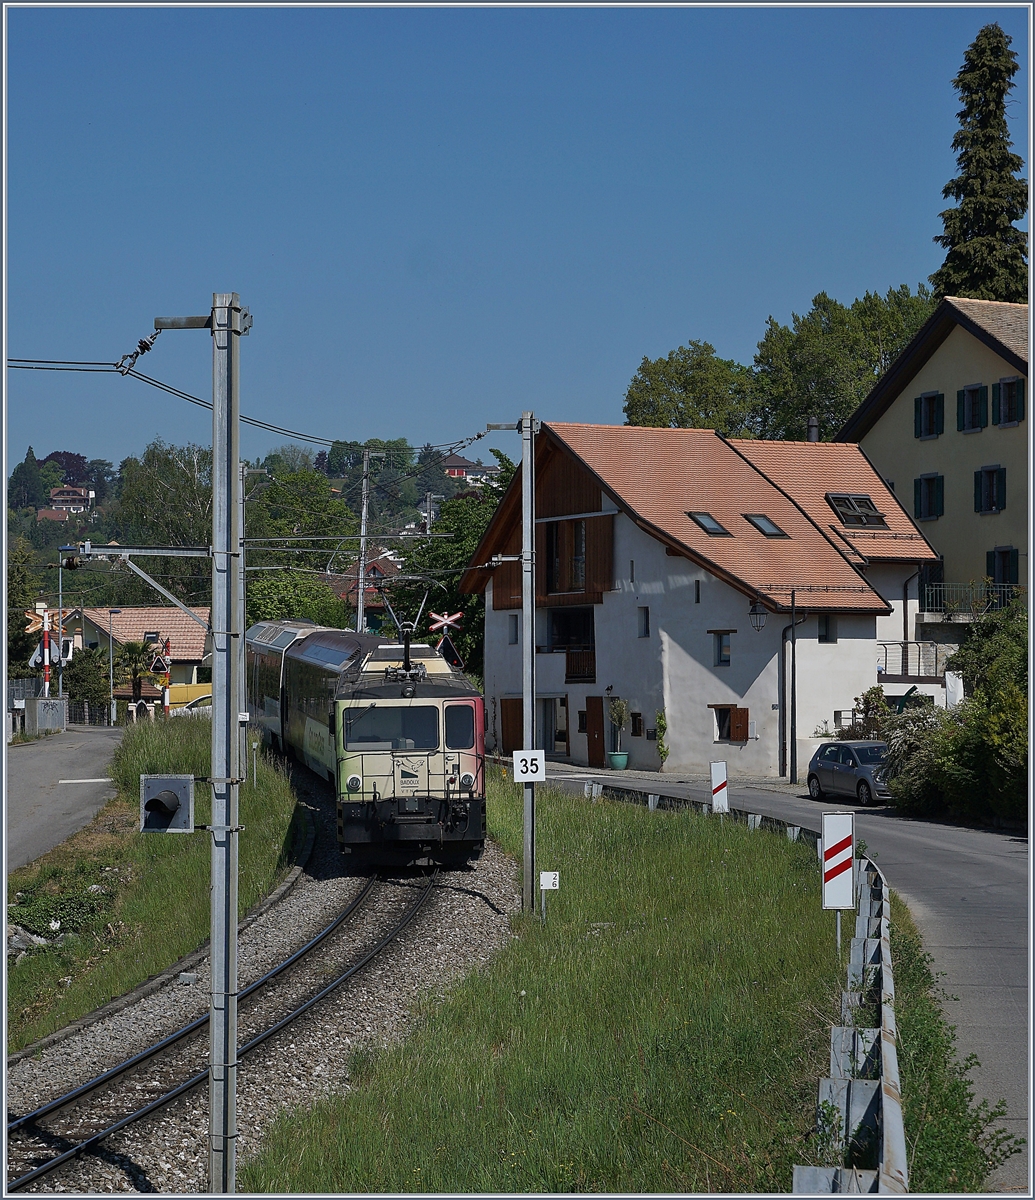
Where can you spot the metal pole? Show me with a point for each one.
(838, 911)
(111, 670)
(528, 644)
(226, 567)
(241, 625)
(361, 580)
(794, 692)
(46, 652)
(61, 631)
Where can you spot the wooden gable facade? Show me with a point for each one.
(573, 538)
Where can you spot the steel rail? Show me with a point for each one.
(100, 1081)
(196, 1080)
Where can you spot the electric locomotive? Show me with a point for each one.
(397, 730)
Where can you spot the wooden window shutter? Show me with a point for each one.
(990, 564)
(995, 403)
(1000, 488)
(738, 724)
(939, 413)
(599, 553)
(977, 492)
(918, 417)
(939, 497)
(1015, 567)
(918, 497)
(961, 410)
(1020, 399)
(982, 406)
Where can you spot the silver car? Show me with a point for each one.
(849, 769)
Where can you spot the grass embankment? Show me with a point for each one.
(133, 904)
(953, 1141)
(664, 1032)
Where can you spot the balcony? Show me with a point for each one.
(580, 666)
(964, 601)
(912, 662)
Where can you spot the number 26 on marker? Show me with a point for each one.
(529, 766)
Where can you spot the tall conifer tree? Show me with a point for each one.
(987, 256)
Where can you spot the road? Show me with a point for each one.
(42, 811)
(968, 892)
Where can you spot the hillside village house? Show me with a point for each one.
(189, 645)
(946, 426)
(652, 547)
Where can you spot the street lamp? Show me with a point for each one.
(111, 663)
(757, 614)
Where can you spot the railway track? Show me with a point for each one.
(80, 1121)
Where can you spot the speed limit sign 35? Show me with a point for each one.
(529, 766)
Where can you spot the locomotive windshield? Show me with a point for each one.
(459, 726)
(383, 728)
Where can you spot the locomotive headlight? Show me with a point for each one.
(354, 783)
(467, 782)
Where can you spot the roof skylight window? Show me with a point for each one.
(709, 524)
(764, 525)
(857, 511)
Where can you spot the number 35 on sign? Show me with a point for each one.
(529, 766)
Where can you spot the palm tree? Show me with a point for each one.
(134, 661)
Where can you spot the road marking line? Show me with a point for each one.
(104, 780)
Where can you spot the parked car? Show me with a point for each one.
(849, 769)
(201, 707)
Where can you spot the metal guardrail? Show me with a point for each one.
(860, 1105)
(967, 599)
(913, 660)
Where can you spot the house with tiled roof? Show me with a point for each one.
(474, 474)
(946, 426)
(189, 644)
(658, 553)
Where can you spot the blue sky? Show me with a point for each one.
(439, 217)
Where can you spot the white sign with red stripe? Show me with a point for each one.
(444, 621)
(838, 856)
(720, 792)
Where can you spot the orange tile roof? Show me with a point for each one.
(807, 471)
(657, 476)
(186, 637)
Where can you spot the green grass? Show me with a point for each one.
(953, 1141)
(664, 1032)
(149, 903)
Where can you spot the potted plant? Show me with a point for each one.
(618, 711)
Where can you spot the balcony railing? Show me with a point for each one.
(967, 600)
(580, 666)
(901, 662)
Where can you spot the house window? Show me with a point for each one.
(697, 591)
(929, 497)
(582, 720)
(929, 415)
(512, 631)
(709, 524)
(1002, 565)
(990, 489)
(731, 723)
(1008, 401)
(632, 571)
(857, 510)
(827, 628)
(643, 622)
(764, 525)
(637, 724)
(565, 556)
(570, 629)
(722, 648)
(578, 556)
(972, 408)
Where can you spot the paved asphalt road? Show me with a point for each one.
(41, 811)
(968, 892)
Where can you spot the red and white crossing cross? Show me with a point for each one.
(720, 791)
(444, 621)
(838, 856)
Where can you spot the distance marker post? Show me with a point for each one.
(549, 881)
(838, 857)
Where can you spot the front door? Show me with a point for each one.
(595, 731)
(511, 718)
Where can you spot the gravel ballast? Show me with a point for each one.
(463, 923)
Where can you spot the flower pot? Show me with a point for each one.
(619, 761)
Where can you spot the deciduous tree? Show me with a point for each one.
(691, 388)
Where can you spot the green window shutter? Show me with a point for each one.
(1000, 489)
(939, 413)
(918, 417)
(990, 564)
(982, 407)
(939, 497)
(961, 410)
(918, 497)
(1020, 399)
(1015, 567)
(995, 403)
(977, 491)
